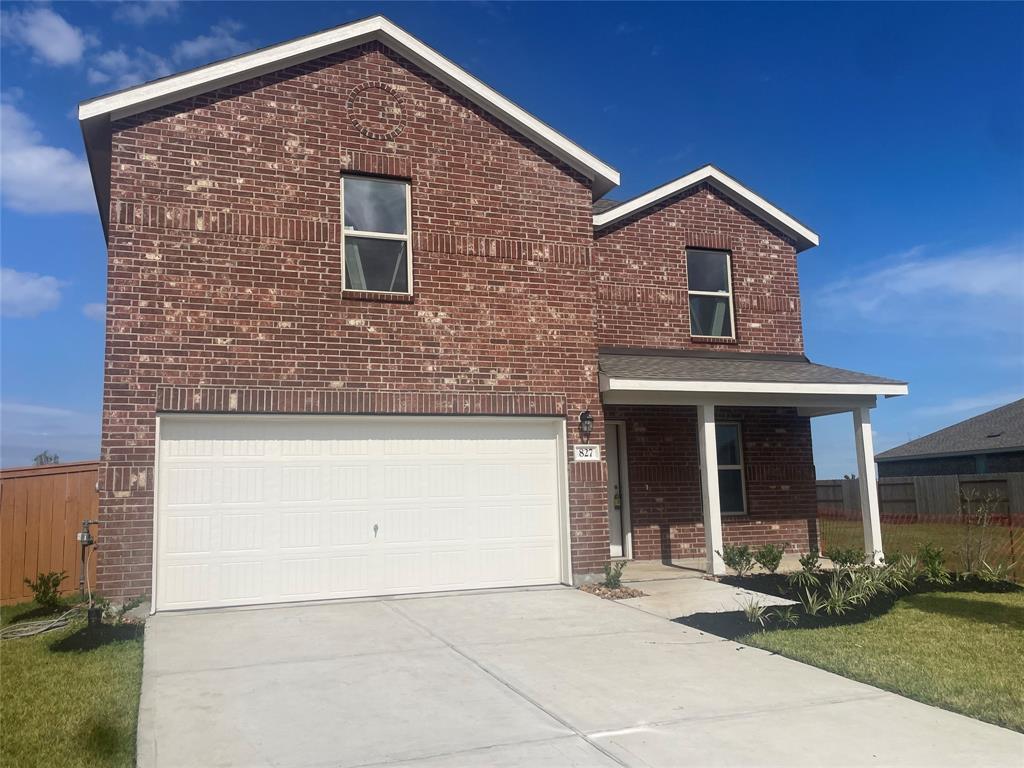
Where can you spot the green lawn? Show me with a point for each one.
(69, 697)
(957, 650)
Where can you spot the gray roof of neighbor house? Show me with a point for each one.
(998, 430)
(729, 367)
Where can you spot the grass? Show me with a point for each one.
(957, 650)
(69, 697)
(908, 537)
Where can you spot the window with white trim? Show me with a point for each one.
(731, 484)
(709, 284)
(376, 239)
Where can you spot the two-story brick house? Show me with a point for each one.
(371, 329)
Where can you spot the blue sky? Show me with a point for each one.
(895, 131)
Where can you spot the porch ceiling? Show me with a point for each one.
(641, 377)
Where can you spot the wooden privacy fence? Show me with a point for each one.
(904, 498)
(932, 510)
(41, 511)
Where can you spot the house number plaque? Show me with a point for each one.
(586, 452)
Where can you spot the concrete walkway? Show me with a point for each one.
(675, 590)
(546, 677)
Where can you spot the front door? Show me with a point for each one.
(619, 534)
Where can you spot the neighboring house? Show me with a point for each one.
(367, 335)
(992, 442)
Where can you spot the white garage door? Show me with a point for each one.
(266, 509)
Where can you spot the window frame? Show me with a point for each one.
(716, 294)
(406, 238)
(740, 467)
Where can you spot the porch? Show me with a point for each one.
(706, 449)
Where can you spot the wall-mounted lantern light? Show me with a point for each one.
(586, 425)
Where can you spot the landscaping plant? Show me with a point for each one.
(769, 556)
(845, 558)
(738, 557)
(756, 612)
(786, 616)
(933, 563)
(810, 562)
(613, 574)
(812, 602)
(976, 542)
(46, 588)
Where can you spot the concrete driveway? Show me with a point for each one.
(545, 677)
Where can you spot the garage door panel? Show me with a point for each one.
(257, 510)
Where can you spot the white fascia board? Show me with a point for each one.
(235, 70)
(610, 384)
(729, 186)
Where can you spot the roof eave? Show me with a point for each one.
(95, 113)
(802, 236)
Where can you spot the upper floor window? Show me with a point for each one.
(709, 277)
(376, 239)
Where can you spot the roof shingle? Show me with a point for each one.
(997, 430)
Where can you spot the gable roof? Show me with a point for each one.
(1001, 429)
(728, 186)
(96, 114)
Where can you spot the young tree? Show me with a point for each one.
(45, 458)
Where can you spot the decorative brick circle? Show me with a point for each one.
(376, 111)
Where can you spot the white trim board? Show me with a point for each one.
(167, 90)
(805, 238)
(611, 384)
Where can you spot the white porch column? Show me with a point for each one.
(868, 485)
(709, 488)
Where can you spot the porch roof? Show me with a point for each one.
(734, 378)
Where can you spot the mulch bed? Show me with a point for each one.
(621, 593)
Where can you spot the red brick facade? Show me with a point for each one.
(225, 293)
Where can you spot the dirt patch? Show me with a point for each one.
(621, 593)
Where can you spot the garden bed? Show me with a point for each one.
(608, 593)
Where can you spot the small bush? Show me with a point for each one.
(933, 563)
(769, 556)
(737, 557)
(994, 574)
(845, 558)
(837, 598)
(809, 562)
(46, 588)
(613, 574)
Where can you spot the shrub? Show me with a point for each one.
(803, 578)
(994, 574)
(769, 556)
(786, 616)
(613, 574)
(976, 538)
(737, 557)
(900, 573)
(837, 598)
(933, 563)
(812, 602)
(756, 612)
(845, 558)
(46, 588)
(809, 562)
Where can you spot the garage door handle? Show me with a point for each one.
(375, 530)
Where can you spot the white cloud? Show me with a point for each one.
(220, 43)
(95, 310)
(27, 430)
(142, 13)
(972, 290)
(46, 34)
(26, 294)
(964, 405)
(123, 69)
(35, 177)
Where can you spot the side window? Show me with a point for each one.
(709, 284)
(731, 487)
(376, 237)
